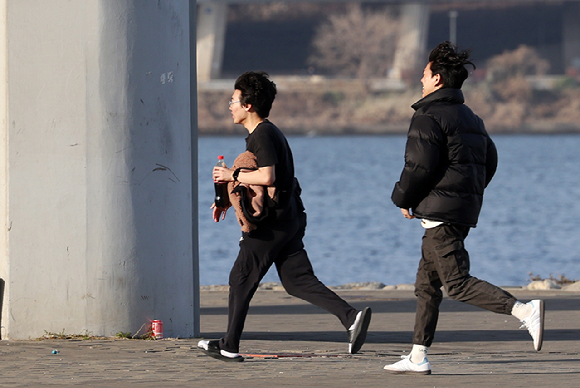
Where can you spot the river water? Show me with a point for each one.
(528, 224)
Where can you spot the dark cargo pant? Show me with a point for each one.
(445, 262)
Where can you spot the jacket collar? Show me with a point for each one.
(443, 95)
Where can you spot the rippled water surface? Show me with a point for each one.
(528, 224)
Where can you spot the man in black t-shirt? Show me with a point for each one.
(278, 238)
(270, 147)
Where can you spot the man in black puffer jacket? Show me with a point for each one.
(449, 160)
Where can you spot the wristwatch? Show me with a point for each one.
(235, 174)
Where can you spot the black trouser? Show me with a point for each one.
(445, 262)
(280, 243)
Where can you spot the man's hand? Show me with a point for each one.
(217, 212)
(222, 174)
(406, 214)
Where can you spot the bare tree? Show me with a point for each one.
(357, 44)
(520, 62)
(506, 73)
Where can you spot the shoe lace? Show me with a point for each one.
(530, 324)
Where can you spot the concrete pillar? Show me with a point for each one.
(211, 35)
(412, 43)
(571, 37)
(4, 220)
(98, 167)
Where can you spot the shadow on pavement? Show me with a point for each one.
(386, 306)
(378, 337)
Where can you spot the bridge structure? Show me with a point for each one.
(412, 41)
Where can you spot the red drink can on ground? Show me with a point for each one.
(157, 329)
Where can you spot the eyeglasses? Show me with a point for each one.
(233, 102)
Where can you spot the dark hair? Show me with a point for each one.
(449, 62)
(258, 90)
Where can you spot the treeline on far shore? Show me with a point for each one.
(352, 107)
(512, 93)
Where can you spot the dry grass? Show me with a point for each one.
(335, 109)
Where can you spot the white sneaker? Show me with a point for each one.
(406, 366)
(535, 323)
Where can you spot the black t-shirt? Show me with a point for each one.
(271, 148)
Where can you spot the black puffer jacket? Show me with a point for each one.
(449, 160)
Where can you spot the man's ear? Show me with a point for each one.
(247, 107)
(438, 81)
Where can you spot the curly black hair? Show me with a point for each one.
(258, 90)
(449, 62)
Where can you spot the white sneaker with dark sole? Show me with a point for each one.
(405, 366)
(357, 333)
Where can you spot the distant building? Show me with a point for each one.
(487, 27)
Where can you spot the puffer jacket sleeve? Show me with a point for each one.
(490, 161)
(422, 156)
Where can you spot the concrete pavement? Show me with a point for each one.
(295, 344)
